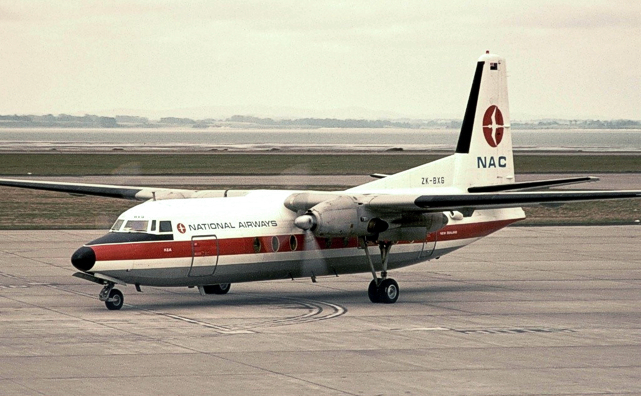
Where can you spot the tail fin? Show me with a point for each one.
(485, 142)
(484, 150)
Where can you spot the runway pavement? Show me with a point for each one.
(549, 310)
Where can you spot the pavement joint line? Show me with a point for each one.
(291, 376)
(571, 272)
(25, 386)
(114, 327)
(217, 355)
(248, 328)
(221, 329)
(462, 336)
(73, 316)
(176, 317)
(560, 272)
(37, 260)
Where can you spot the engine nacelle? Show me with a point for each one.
(342, 216)
(415, 228)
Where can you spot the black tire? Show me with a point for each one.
(388, 291)
(115, 300)
(373, 292)
(222, 288)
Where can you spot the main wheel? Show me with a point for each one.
(372, 292)
(115, 300)
(222, 288)
(388, 291)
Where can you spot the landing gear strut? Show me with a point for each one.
(381, 290)
(113, 298)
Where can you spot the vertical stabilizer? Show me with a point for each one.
(484, 150)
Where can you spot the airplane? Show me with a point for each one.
(210, 239)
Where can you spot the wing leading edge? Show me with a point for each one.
(383, 202)
(434, 203)
(101, 190)
(531, 185)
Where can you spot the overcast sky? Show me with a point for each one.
(567, 59)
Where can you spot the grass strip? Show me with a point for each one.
(78, 164)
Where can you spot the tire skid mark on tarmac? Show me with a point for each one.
(216, 328)
(315, 311)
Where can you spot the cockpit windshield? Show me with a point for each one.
(122, 225)
(117, 225)
(136, 226)
(165, 226)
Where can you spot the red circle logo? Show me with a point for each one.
(493, 126)
(181, 228)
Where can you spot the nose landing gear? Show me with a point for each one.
(113, 298)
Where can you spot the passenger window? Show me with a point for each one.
(256, 245)
(153, 225)
(165, 226)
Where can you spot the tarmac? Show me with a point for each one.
(525, 311)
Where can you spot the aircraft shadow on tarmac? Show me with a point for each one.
(411, 294)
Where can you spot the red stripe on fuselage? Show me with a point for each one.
(265, 244)
(466, 231)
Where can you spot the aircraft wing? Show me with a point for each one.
(520, 186)
(122, 192)
(532, 185)
(437, 203)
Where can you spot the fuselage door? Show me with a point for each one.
(429, 245)
(204, 255)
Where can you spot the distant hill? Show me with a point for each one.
(244, 121)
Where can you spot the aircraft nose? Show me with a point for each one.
(84, 258)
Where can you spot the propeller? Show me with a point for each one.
(313, 260)
(313, 257)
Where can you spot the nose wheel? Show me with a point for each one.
(113, 298)
(381, 289)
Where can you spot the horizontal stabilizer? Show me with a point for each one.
(531, 185)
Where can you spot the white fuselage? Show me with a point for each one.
(253, 237)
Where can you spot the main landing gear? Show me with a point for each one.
(381, 290)
(113, 298)
(222, 288)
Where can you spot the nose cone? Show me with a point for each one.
(84, 258)
(304, 222)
